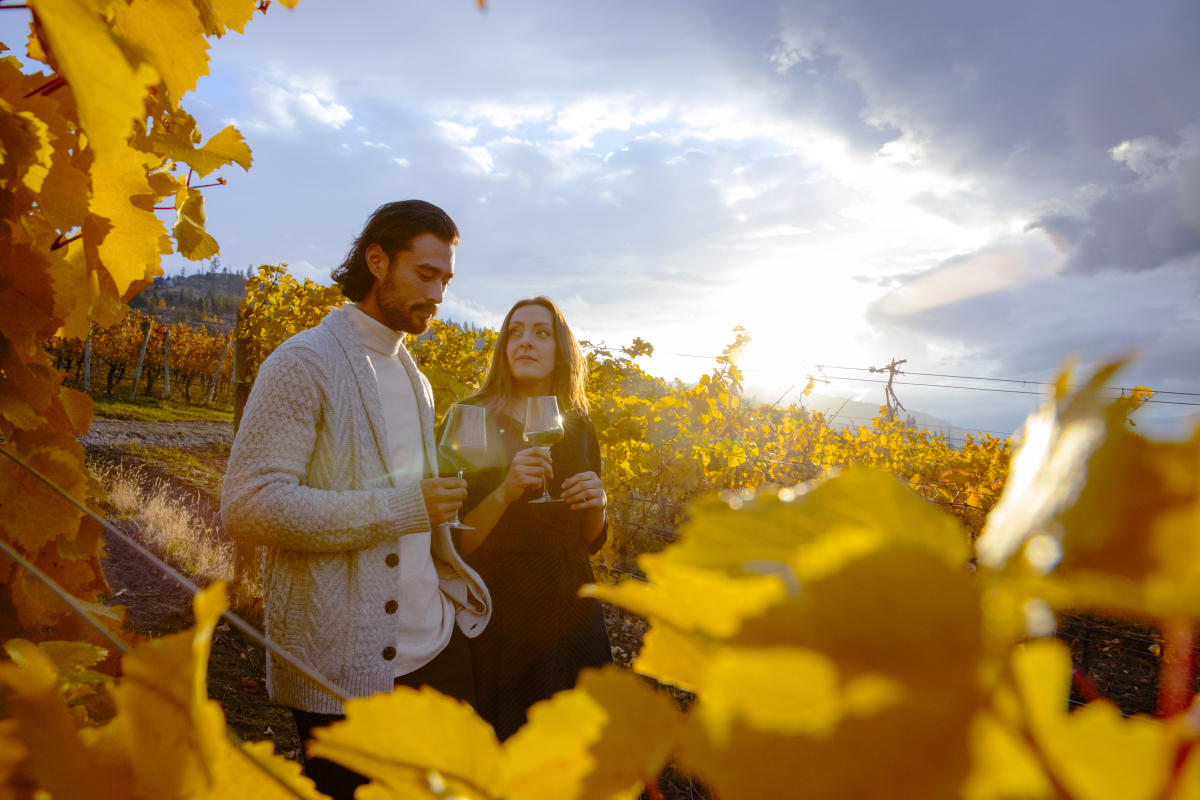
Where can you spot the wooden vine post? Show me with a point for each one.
(167, 364)
(137, 371)
(216, 378)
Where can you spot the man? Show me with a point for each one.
(361, 580)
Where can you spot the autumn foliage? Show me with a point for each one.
(860, 613)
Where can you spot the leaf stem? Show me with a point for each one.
(1177, 671)
(59, 241)
(1085, 685)
(57, 82)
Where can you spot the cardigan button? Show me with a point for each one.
(390, 606)
(392, 559)
(389, 653)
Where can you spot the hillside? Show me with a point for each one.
(845, 413)
(208, 299)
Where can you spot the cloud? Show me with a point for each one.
(282, 106)
(1142, 225)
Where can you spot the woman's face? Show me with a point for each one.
(531, 349)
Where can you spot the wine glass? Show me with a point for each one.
(543, 427)
(464, 443)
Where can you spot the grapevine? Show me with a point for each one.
(845, 635)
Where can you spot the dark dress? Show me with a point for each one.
(533, 562)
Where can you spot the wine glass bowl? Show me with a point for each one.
(464, 443)
(543, 428)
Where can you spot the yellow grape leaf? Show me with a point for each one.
(194, 242)
(438, 733)
(691, 599)
(168, 35)
(1136, 520)
(256, 772)
(171, 736)
(67, 657)
(165, 184)
(78, 408)
(132, 238)
(783, 529)
(58, 759)
(883, 626)
(25, 149)
(1003, 767)
(897, 611)
(84, 542)
(77, 299)
(225, 147)
(1188, 783)
(607, 737)
(1093, 752)
(167, 740)
(745, 683)
(26, 302)
(904, 630)
(674, 657)
(177, 137)
(33, 514)
(221, 15)
(1047, 468)
(12, 753)
(108, 89)
(1108, 516)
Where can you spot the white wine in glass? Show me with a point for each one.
(543, 428)
(464, 443)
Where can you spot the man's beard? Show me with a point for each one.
(411, 319)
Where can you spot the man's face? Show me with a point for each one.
(410, 286)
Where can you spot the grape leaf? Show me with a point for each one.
(219, 16)
(47, 732)
(439, 734)
(194, 242)
(607, 737)
(1093, 752)
(168, 35)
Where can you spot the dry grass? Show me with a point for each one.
(170, 528)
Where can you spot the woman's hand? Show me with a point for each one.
(584, 491)
(527, 470)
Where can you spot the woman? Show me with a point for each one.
(534, 557)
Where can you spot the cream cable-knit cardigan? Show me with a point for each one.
(309, 477)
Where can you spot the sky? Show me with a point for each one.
(982, 189)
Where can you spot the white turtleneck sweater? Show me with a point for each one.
(425, 614)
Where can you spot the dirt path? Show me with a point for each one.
(125, 433)
(155, 603)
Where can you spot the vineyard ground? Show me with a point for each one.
(156, 605)
(1116, 655)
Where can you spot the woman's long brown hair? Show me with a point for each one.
(568, 381)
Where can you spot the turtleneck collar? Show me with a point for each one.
(374, 335)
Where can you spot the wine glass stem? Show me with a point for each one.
(456, 522)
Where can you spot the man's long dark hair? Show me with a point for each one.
(393, 227)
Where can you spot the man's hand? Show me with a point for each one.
(443, 497)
